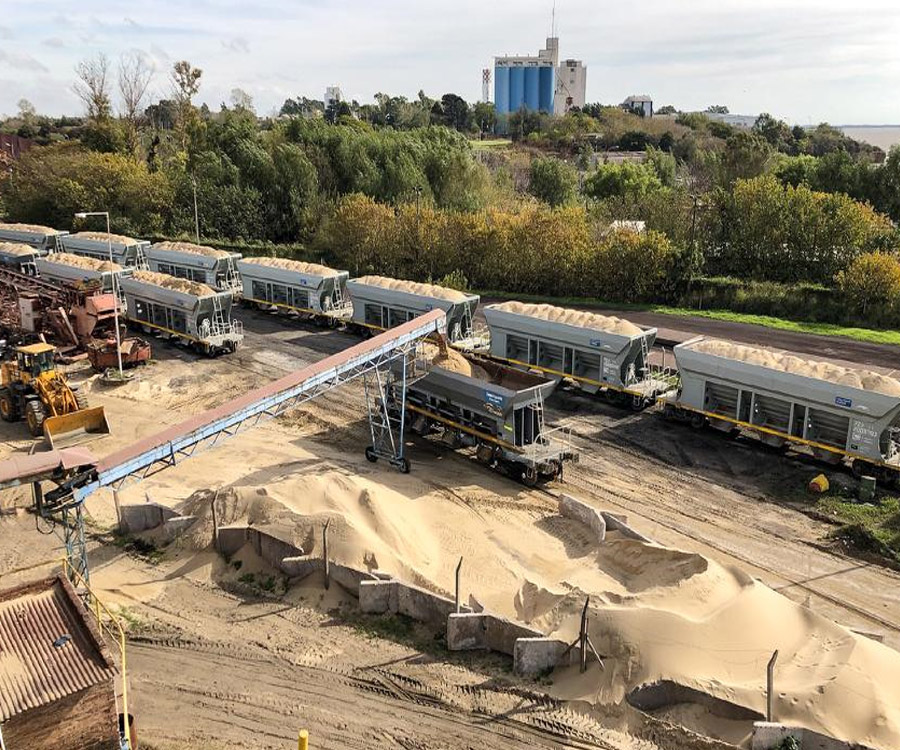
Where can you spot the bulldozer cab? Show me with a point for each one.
(35, 362)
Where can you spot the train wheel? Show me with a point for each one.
(638, 403)
(697, 421)
(530, 476)
(371, 457)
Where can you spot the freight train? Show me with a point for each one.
(834, 414)
(201, 263)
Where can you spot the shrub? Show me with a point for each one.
(871, 279)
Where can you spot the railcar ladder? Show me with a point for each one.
(645, 357)
(140, 259)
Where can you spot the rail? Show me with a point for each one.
(117, 634)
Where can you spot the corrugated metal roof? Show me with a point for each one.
(42, 465)
(48, 648)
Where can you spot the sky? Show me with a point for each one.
(805, 61)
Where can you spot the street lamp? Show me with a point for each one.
(115, 277)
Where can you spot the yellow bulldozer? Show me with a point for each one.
(33, 389)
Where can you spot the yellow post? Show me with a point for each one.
(303, 740)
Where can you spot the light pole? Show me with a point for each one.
(115, 279)
(196, 213)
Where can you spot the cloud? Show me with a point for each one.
(5, 33)
(54, 41)
(237, 44)
(22, 62)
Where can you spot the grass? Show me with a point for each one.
(492, 143)
(867, 527)
(868, 335)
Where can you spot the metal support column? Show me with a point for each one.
(387, 413)
(72, 518)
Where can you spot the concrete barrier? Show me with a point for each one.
(349, 579)
(137, 518)
(395, 597)
(270, 548)
(535, 656)
(378, 597)
(663, 693)
(176, 526)
(232, 538)
(620, 524)
(571, 507)
(469, 631)
(300, 567)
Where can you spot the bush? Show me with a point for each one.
(552, 181)
(872, 279)
(626, 179)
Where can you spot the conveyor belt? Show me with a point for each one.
(175, 444)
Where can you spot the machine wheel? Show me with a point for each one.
(370, 455)
(8, 410)
(35, 415)
(530, 476)
(403, 465)
(81, 399)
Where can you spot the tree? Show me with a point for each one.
(552, 181)
(26, 109)
(92, 87)
(628, 178)
(185, 85)
(240, 99)
(667, 109)
(456, 112)
(871, 279)
(746, 155)
(485, 116)
(776, 132)
(134, 79)
(717, 109)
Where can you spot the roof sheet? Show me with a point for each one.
(43, 464)
(48, 648)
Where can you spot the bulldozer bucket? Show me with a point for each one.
(75, 428)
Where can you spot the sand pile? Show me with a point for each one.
(192, 249)
(578, 318)
(16, 248)
(413, 287)
(80, 261)
(116, 239)
(785, 362)
(170, 282)
(452, 360)
(299, 266)
(35, 228)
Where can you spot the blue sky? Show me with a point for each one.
(802, 60)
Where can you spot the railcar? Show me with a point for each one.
(207, 265)
(126, 251)
(380, 303)
(836, 413)
(41, 238)
(308, 289)
(19, 257)
(72, 270)
(184, 310)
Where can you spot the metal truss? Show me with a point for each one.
(379, 359)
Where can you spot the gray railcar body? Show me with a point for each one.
(19, 263)
(73, 275)
(44, 242)
(594, 359)
(203, 321)
(220, 273)
(379, 308)
(293, 290)
(128, 255)
(833, 420)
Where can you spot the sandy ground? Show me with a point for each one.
(697, 616)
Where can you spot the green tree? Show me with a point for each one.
(746, 155)
(185, 85)
(871, 279)
(552, 181)
(628, 178)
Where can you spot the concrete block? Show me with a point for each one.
(466, 631)
(349, 578)
(375, 596)
(177, 525)
(232, 538)
(572, 507)
(424, 606)
(272, 549)
(300, 567)
(617, 524)
(501, 634)
(770, 734)
(534, 656)
(138, 518)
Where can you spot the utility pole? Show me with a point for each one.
(196, 213)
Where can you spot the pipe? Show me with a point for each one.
(770, 686)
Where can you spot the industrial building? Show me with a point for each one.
(56, 674)
(538, 82)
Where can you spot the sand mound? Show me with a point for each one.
(191, 248)
(80, 261)
(452, 360)
(286, 264)
(579, 318)
(116, 239)
(16, 248)
(785, 362)
(413, 287)
(170, 282)
(35, 228)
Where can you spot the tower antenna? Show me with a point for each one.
(553, 21)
